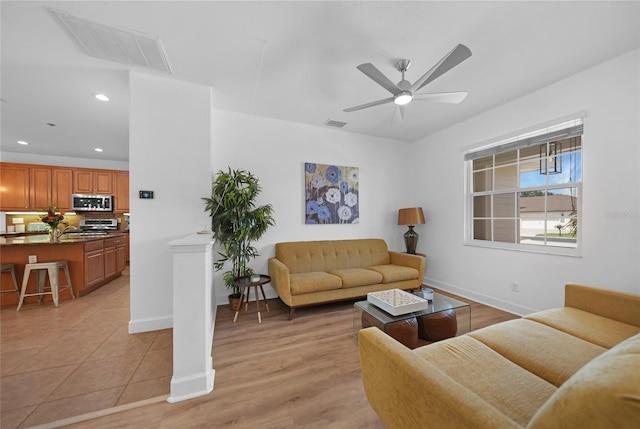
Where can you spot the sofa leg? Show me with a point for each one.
(291, 311)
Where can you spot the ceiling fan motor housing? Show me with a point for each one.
(405, 96)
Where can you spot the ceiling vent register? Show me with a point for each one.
(113, 43)
(334, 124)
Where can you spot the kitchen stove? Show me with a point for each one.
(98, 225)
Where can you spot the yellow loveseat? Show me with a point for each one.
(312, 272)
(571, 367)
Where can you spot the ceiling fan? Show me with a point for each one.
(404, 92)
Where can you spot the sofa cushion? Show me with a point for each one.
(588, 326)
(509, 388)
(313, 282)
(354, 277)
(605, 393)
(395, 273)
(550, 354)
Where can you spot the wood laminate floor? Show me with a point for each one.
(79, 358)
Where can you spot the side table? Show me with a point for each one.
(245, 284)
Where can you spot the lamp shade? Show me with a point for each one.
(411, 216)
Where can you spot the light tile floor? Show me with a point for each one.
(61, 362)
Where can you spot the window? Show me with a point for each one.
(524, 193)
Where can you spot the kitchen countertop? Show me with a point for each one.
(65, 239)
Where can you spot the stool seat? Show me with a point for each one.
(11, 269)
(42, 269)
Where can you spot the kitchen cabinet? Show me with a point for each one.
(14, 187)
(39, 187)
(109, 261)
(121, 191)
(86, 181)
(121, 254)
(93, 263)
(62, 187)
(127, 251)
(33, 187)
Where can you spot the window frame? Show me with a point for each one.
(504, 145)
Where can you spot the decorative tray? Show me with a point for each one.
(397, 301)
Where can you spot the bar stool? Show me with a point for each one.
(10, 268)
(41, 269)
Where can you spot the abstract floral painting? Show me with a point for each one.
(331, 194)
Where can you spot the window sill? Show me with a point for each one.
(545, 250)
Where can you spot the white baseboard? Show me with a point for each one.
(481, 298)
(150, 324)
(190, 387)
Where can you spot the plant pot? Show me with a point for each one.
(234, 302)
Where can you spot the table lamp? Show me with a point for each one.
(411, 216)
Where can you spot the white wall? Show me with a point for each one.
(170, 154)
(610, 214)
(275, 151)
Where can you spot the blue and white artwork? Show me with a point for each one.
(331, 194)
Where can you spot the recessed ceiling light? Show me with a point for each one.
(101, 97)
(22, 142)
(98, 149)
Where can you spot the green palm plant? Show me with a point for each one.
(236, 222)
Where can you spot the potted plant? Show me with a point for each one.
(236, 222)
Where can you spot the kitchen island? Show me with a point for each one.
(94, 260)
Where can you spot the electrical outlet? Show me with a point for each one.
(33, 259)
(514, 287)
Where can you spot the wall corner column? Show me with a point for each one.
(194, 311)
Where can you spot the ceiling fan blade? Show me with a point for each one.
(373, 103)
(452, 59)
(398, 114)
(443, 97)
(377, 76)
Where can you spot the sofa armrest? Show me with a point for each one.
(620, 306)
(408, 260)
(408, 392)
(279, 274)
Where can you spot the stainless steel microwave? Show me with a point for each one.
(92, 203)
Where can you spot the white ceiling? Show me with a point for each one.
(305, 55)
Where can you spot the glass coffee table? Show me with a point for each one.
(446, 317)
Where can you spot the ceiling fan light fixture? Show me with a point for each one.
(403, 98)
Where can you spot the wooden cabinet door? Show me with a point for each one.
(82, 182)
(94, 267)
(39, 188)
(109, 259)
(127, 252)
(62, 188)
(121, 258)
(14, 187)
(121, 191)
(103, 182)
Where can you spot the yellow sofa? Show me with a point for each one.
(312, 272)
(571, 367)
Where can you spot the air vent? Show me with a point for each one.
(112, 43)
(334, 124)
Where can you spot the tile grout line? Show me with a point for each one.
(137, 367)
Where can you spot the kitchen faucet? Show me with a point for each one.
(68, 228)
